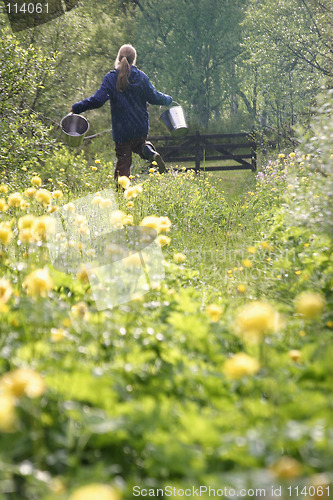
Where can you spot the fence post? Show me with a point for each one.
(197, 151)
(253, 156)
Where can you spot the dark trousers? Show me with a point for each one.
(124, 152)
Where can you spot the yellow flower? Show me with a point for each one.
(152, 170)
(6, 233)
(247, 263)
(94, 169)
(30, 192)
(265, 245)
(82, 274)
(80, 310)
(7, 413)
(132, 260)
(4, 188)
(286, 468)
(36, 181)
(57, 194)
(69, 207)
(163, 240)
(23, 382)
(95, 492)
(105, 203)
(38, 283)
(44, 196)
(165, 224)
(130, 204)
(57, 334)
(25, 235)
(179, 258)
(14, 200)
(151, 221)
(214, 312)
(5, 290)
(292, 155)
(124, 181)
(241, 288)
(133, 191)
(252, 250)
(295, 355)
(26, 221)
(3, 205)
(281, 155)
(116, 218)
(257, 318)
(310, 304)
(42, 226)
(240, 366)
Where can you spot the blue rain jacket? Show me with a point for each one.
(129, 113)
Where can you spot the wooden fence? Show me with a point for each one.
(199, 148)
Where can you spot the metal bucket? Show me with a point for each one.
(174, 119)
(74, 128)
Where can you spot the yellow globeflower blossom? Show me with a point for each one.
(256, 319)
(252, 250)
(6, 233)
(3, 205)
(44, 196)
(310, 304)
(7, 413)
(80, 310)
(36, 181)
(23, 382)
(26, 221)
(4, 188)
(132, 260)
(124, 181)
(116, 218)
(82, 275)
(163, 240)
(240, 365)
(105, 203)
(14, 200)
(133, 191)
(38, 283)
(214, 312)
(127, 220)
(286, 468)
(241, 288)
(42, 226)
(130, 204)
(165, 224)
(69, 207)
(58, 334)
(151, 221)
(57, 194)
(247, 263)
(95, 492)
(179, 258)
(97, 199)
(30, 192)
(25, 235)
(6, 290)
(295, 355)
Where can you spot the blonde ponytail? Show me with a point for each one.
(126, 57)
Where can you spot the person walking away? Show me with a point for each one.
(129, 90)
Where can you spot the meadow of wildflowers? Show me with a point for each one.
(219, 374)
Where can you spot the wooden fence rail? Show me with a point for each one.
(198, 148)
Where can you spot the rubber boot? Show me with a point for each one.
(152, 155)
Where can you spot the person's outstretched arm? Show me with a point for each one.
(155, 97)
(95, 101)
